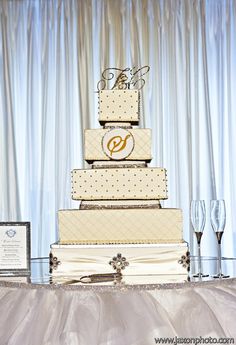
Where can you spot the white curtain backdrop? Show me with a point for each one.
(51, 57)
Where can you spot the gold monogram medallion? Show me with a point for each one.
(118, 143)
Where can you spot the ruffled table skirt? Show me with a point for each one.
(77, 315)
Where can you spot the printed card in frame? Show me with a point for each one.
(14, 248)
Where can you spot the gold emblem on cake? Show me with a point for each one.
(118, 143)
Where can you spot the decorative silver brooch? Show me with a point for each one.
(185, 261)
(53, 262)
(119, 263)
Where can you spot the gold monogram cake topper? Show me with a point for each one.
(122, 79)
(118, 143)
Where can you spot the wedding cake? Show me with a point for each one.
(120, 218)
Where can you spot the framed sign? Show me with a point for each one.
(14, 248)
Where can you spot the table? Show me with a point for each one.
(41, 313)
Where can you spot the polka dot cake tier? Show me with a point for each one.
(119, 105)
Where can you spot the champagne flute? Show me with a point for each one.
(198, 219)
(218, 218)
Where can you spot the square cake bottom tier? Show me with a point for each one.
(149, 259)
(120, 226)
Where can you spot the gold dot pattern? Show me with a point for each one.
(122, 184)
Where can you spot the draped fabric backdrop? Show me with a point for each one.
(51, 57)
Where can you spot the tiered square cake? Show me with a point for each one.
(120, 210)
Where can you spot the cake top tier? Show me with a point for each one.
(119, 97)
(119, 105)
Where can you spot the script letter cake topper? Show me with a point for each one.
(122, 79)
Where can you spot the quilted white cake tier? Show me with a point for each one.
(131, 144)
(120, 226)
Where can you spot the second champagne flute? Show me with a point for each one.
(198, 219)
(218, 218)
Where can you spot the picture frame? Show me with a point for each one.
(15, 248)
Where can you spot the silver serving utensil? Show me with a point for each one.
(96, 278)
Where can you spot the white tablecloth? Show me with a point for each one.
(77, 315)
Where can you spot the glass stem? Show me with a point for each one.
(219, 259)
(199, 260)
